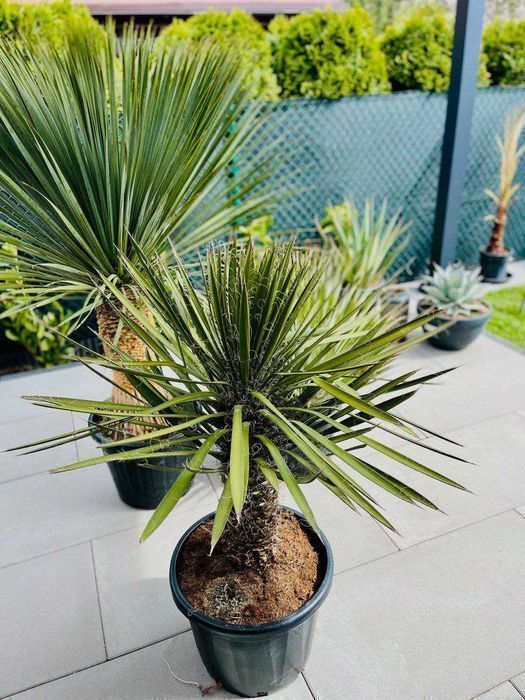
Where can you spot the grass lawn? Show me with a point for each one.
(507, 322)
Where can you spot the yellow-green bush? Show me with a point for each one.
(504, 46)
(328, 54)
(419, 51)
(235, 26)
(47, 21)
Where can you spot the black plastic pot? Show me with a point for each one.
(138, 483)
(461, 333)
(494, 267)
(254, 660)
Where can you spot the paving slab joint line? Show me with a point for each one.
(98, 599)
(516, 687)
(68, 546)
(87, 668)
(308, 685)
(430, 539)
(519, 513)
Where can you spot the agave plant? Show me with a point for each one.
(235, 372)
(367, 244)
(510, 154)
(454, 289)
(107, 149)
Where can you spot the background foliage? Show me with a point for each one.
(419, 51)
(48, 22)
(237, 26)
(504, 45)
(328, 54)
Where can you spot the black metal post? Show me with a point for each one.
(454, 159)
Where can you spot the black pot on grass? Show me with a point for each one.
(494, 266)
(254, 660)
(461, 333)
(140, 483)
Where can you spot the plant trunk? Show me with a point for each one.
(496, 244)
(126, 340)
(251, 542)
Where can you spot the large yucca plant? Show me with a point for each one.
(236, 372)
(102, 145)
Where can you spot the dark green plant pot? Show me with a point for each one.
(254, 660)
(460, 334)
(140, 486)
(494, 267)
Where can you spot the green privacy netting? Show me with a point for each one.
(389, 146)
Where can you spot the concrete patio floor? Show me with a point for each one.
(437, 613)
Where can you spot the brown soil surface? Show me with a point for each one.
(215, 587)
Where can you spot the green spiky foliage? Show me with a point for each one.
(235, 26)
(365, 244)
(236, 372)
(102, 144)
(454, 289)
(97, 145)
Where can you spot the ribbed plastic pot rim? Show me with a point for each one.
(507, 254)
(474, 317)
(287, 622)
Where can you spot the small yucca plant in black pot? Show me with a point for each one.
(253, 373)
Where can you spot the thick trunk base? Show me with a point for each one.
(113, 333)
(245, 595)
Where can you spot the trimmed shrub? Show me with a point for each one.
(504, 46)
(419, 51)
(50, 22)
(328, 54)
(238, 26)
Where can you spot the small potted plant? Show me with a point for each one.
(365, 247)
(241, 372)
(367, 243)
(456, 294)
(495, 256)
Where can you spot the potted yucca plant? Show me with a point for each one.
(495, 256)
(108, 148)
(366, 245)
(458, 296)
(253, 372)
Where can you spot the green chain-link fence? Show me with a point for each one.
(389, 146)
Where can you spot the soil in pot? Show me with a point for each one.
(216, 586)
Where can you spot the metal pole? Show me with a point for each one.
(460, 105)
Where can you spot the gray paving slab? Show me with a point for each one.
(519, 683)
(72, 380)
(496, 479)
(144, 675)
(14, 465)
(355, 539)
(46, 512)
(440, 620)
(474, 392)
(50, 618)
(504, 691)
(136, 603)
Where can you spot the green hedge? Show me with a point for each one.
(328, 54)
(321, 54)
(50, 22)
(419, 51)
(238, 26)
(504, 46)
